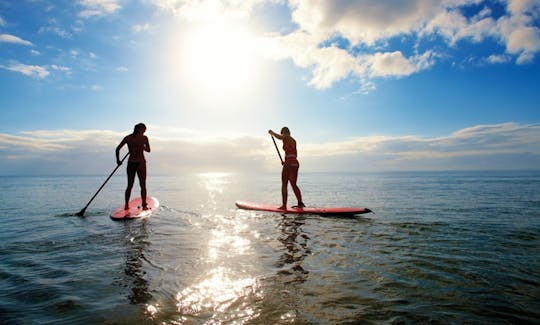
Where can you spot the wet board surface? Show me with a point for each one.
(306, 210)
(136, 209)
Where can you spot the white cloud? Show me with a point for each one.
(331, 64)
(498, 58)
(523, 41)
(197, 10)
(523, 6)
(395, 64)
(28, 70)
(140, 28)
(56, 30)
(368, 25)
(362, 21)
(36, 70)
(498, 146)
(328, 64)
(2, 21)
(7, 38)
(60, 68)
(98, 7)
(24, 143)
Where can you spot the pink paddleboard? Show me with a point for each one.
(136, 209)
(306, 210)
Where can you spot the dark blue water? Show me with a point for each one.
(444, 247)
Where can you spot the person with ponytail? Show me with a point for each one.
(137, 144)
(289, 172)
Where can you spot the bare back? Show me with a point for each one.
(137, 145)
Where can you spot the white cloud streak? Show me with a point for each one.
(498, 146)
(7, 38)
(94, 8)
(140, 28)
(28, 70)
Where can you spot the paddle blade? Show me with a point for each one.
(81, 213)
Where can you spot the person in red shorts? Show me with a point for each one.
(289, 173)
(137, 144)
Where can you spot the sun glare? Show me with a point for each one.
(218, 60)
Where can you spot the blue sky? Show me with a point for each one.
(363, 85)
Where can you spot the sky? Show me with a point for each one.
(363, 85)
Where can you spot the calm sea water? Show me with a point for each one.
(459, 247)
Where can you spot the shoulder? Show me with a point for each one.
(289, 139)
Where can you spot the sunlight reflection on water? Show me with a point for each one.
(221, 293)
(215, 182)
(227, 292)
(227, 241)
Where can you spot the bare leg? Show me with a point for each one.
(284, 181)
(141, 173)
(293, 178)
(298, 194)
(131, 180)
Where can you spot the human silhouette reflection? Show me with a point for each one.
(296, 246)
(136, 243)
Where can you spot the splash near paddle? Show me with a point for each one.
(136, 209)
(328, 211)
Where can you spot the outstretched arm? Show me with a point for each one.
(274, 134)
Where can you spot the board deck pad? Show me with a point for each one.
(136, 209)
(307, 210)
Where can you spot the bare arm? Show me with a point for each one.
(122, 143)
(146, 145)
(274, 134)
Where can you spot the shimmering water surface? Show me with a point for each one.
(458, 247)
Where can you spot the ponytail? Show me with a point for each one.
(139, 127)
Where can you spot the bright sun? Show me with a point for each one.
(218, 59)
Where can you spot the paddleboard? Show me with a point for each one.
(335, 211)
(135, 209)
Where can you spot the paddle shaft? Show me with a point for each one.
(81, 213)
(277, 149)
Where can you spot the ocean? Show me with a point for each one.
(441, 247)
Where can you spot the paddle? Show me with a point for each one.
(277, 149)
(81, 213)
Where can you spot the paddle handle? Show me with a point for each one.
(277, 149)
(102, 185)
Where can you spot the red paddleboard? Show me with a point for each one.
(135, 209)
(306, 210)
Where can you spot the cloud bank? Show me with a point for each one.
(176, 151)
